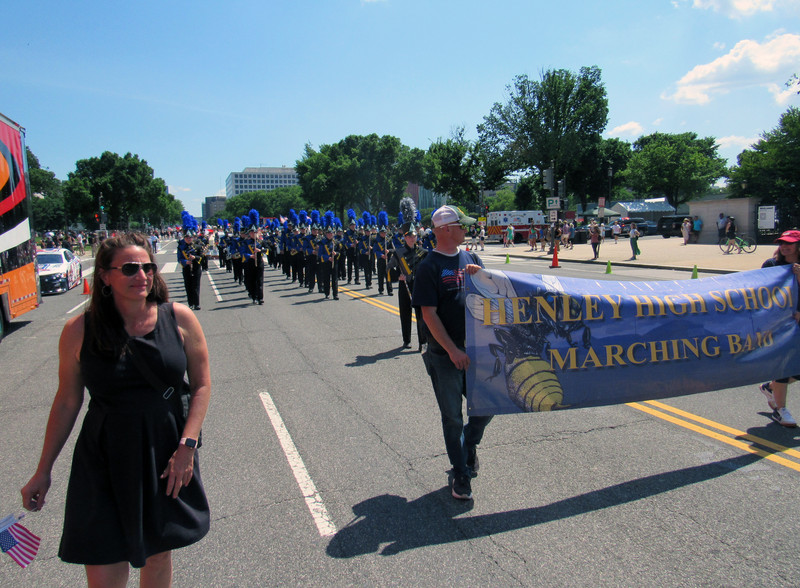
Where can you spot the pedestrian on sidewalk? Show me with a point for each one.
(634, 237)
(616, 229)
(788, 253)
(686, 230)
(722, 222)
(594, 239)
(697, 226)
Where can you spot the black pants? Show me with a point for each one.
(404, 304)
(238, 277)
(383, 276)
(298, 268)
(329, 278)
(352, 264)
(287, 263)
(191, 283)
(366, 265)
(311, 271)
(254, 272)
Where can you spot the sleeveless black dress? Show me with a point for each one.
(117, 508)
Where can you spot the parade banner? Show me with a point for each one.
(540, 343)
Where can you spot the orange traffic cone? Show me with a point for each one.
(555, 259)
(86, 289)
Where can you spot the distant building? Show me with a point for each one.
(425, 198)
(213, 205)
(251, 179)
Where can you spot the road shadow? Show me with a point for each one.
(361, 360)
(772, 432)
(400, 525)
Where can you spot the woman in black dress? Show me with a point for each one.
(135, 491)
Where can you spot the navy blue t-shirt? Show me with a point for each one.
(439, 282)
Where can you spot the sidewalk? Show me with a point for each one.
(657, 252)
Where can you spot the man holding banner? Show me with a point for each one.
(439, 291)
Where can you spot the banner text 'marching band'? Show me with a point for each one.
(540, 343)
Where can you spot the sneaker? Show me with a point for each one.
(472, 460)
(782, 416)
(766, 390)
(461, 488)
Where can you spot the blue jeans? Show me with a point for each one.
(450, 386)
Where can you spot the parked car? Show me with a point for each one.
(670, 226)
(59, 270)
(626, 222)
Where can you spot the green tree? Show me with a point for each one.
(363, 172)
(559, 119)
(124, 186)
(48, 199)
(273, 203)
(678, 166)
(613, 156)
(505, 199)
(770, 169)
(451, 169)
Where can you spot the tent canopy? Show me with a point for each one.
(607, 212)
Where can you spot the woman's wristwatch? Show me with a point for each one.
(189, 442)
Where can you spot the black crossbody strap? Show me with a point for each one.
(148, 374)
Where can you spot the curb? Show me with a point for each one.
(562, 261)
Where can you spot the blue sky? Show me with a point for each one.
(200, 89)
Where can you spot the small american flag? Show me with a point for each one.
(18, 542)
(453, 279)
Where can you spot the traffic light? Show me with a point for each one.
(486, 210)
(97, 217)
(548, 179)
(562, 188)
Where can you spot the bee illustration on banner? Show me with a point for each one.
(521, 350)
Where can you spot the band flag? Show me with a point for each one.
(539, 343)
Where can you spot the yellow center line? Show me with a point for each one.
(761, 441)
(714, 435)
(369, 300)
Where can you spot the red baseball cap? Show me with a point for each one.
(791, 236)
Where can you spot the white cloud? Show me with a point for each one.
(738, 8)
(658, 122)
(632, 128)
(748, 64)
(175, 189)
(719, 45)
(735, 141)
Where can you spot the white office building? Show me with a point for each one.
(251, 179)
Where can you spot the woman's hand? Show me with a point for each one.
(34, 491)
(179, 470)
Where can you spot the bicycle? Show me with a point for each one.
(743, 243)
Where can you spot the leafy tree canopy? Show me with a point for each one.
(558, 119)
(273, 203)
(48, 200)
(125, 187)
(503, 200)
(361, 172)
(770, 169)
(678, 166)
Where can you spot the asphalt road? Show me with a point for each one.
(663, 493)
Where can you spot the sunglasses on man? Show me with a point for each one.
(132, 268)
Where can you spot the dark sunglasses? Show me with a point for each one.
(132, 268)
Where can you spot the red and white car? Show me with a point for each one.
(59, 270)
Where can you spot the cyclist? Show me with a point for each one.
(730, 233)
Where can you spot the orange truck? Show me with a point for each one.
(19, 281)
